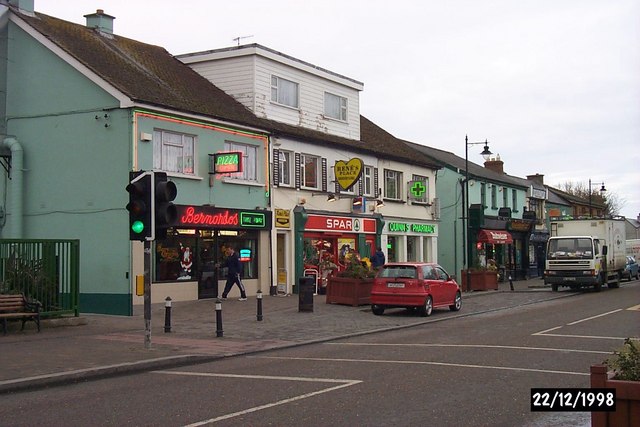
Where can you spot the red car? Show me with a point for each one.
(414, 285)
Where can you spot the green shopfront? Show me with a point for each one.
(410, 240)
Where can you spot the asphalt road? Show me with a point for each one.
(469, 371)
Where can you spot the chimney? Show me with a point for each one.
(100, 21)
(495, 164)
(536, 178)
(25, 6)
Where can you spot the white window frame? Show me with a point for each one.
(249, 161)
(335, 106)
(425, 181)
(396, 177)
(285, 163)
(367, 181)
(280, 92)
(303, 171)
(174, 152)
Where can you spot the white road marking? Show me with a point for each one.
(342, 384)
(412, 362)
(506, 347)
(547, 334)
(593, 317)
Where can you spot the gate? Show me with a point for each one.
(47, 271)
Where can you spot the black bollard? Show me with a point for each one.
(259, 299)
(167, 314)
(218, 318)
(510, 282)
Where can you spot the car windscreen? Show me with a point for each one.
(570, 248)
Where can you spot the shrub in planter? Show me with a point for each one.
(625, 363)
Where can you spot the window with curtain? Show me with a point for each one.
(309, 171)
(284, 92)
(335, 106)
(392, 184)
(173, 152)
(425, 181)
(285, 164)
(249, 160)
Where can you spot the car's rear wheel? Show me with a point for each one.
(377, 310)
(457, 303)
(427, 308)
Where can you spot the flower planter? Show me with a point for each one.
(481, 280)
(349, 291)
(627, 411)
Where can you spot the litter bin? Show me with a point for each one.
(306, 287)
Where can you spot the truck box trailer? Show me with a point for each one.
(585, 253)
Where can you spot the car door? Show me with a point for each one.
(448, 287)
(432, 283)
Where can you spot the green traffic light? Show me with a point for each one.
(137, 227)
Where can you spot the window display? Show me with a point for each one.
(191, 254)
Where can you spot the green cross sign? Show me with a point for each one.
(418, 189)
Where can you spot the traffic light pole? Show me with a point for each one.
(147, 294)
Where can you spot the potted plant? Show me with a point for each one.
(351, 286)
(622, 373)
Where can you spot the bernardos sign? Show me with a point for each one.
(341, 223)
(211, 217)
(192, 217)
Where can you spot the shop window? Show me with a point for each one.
(412, 248)
(187, 254)
(173, 152)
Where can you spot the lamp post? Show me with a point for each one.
(602, 190)
(465, 219)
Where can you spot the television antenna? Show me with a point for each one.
(237, 39)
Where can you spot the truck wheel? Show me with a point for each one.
(554, 287)
(616, 284)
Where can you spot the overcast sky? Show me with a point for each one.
(553, 85)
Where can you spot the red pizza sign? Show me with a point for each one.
(341, 223)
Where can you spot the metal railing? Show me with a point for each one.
(47, 271)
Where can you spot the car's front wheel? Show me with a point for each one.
(457, 303)
(377, 310)
(427, 308)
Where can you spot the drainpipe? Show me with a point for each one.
(14, 209)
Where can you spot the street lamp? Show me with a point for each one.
(602, 190)
(465, 197)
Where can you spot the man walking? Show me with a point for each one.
(233, 275)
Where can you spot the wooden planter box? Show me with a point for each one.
(627, 412)
(480, 280)
(345, 290)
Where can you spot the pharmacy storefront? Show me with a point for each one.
(410, 240)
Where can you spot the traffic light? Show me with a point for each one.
(140, 206)
(165, 212)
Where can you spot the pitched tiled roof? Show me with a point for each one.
(150, 75)
(475, 171)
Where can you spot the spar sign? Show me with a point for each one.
(341, 224)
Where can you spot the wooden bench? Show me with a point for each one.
(17, 307)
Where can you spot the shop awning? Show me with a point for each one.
(496, 237)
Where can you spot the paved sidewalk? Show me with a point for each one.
(93, 346)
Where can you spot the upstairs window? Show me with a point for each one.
(392, 184)
(514, 200)
(422, 190)
(173, 152)
(368, 186)
(309, 172)
(335, 106)
(285, 167)
(249, 160)
(284, 92)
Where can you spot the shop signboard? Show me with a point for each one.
(340, 224)
(348, 173)
(190, 216)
